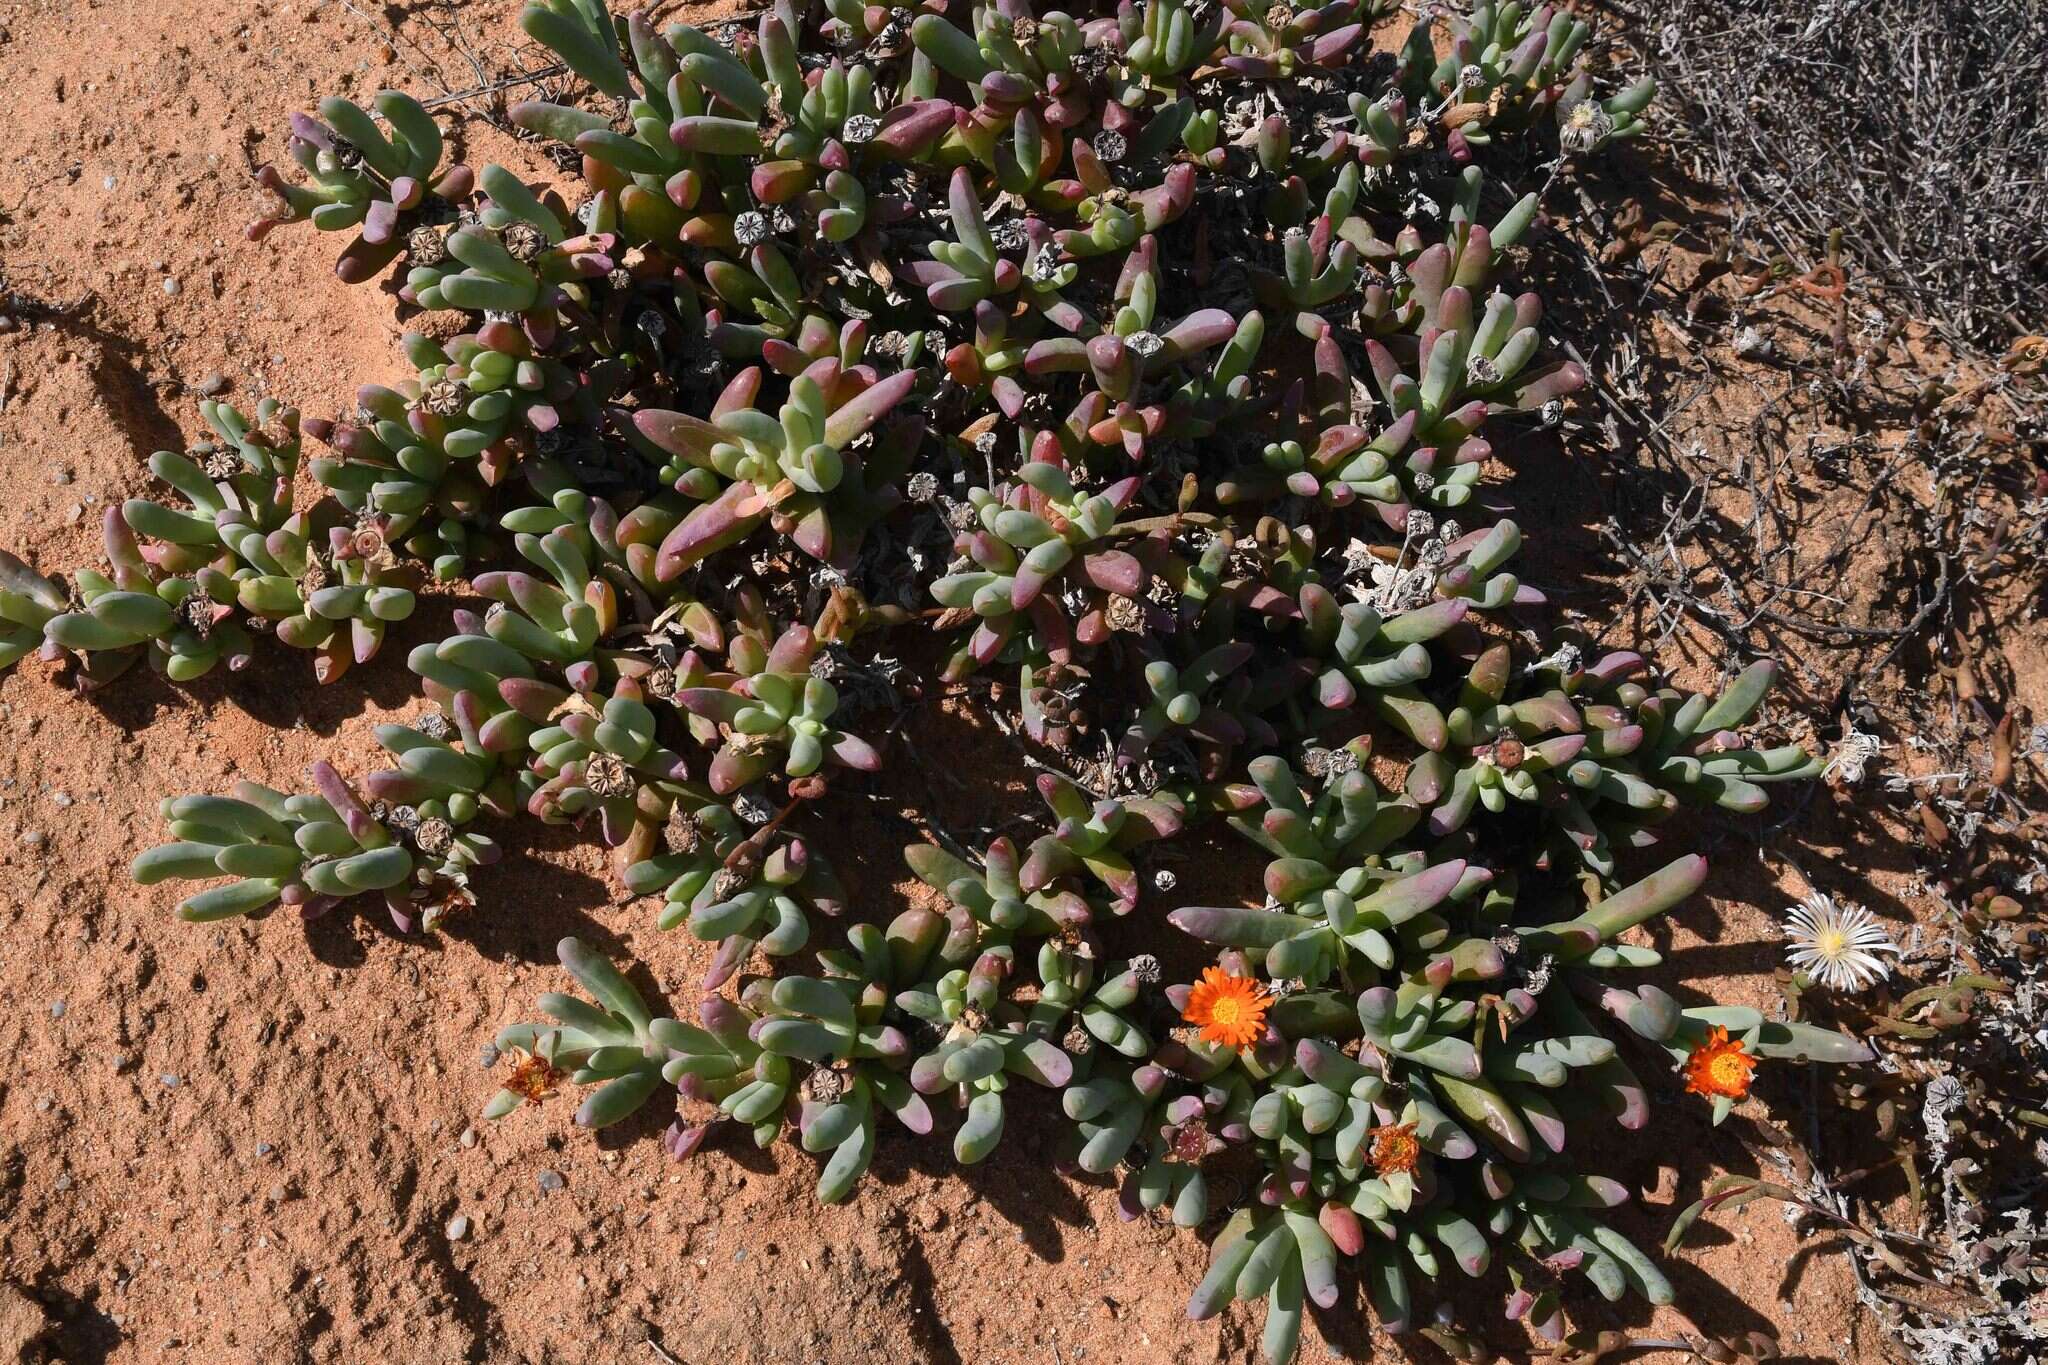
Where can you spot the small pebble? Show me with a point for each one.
(57, 1009)
(171, 287)
(458, 1227)
(61, 800)
(550, 1181)
(63, 1183)
(277, 1194)
(108, 183)
(213, 384)
(35, 838)
(487, 1055)
(170, 1080)
(468, 1138)
(264, 1149)
(122, 1061)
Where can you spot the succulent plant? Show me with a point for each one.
(386, 187)
(738, 887)
(28, 602)
(1361, 1170)
(770, 712)
(1031, 541)
(1147, 351)
(1096, 837)
(606, 761)
(178, 577)
(311, 851)
(611, 1041)
(785, 467)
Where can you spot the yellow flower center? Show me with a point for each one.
(1830, 944)
(1227, 1012)
(1728, 1071)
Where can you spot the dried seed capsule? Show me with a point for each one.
(683, 834)
(196, 613)
(729, 882)
(824, 1085)
(607, 776)
(859, 129)
(750, 228)
(922, 486)
(444, 397)
(1145, 345)
(1125, 615)
(524, 242)
(1111, 147)
(425, 247)
(1090, 63)
(434, 836)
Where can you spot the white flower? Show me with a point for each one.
(1838, 946)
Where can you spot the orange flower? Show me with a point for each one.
(533, 1078)
(1230, 1009)
(1719, 1067)
(1394, 1149)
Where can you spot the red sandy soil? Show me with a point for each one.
(247, 1142)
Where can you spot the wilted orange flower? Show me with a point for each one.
(533, 1078)
(1230, 1009)
(1394, 1149)
(1719, 1067)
